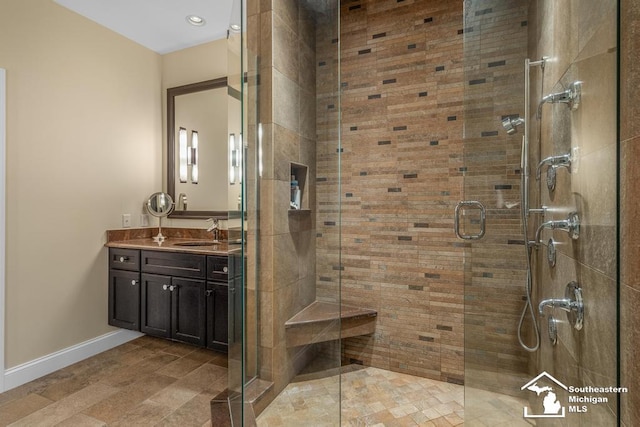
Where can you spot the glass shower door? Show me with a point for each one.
(495, 262)
(533, 363)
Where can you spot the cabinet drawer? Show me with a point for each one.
(217, 268)
(173, 264)
(124, 259)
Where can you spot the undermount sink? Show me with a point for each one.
(196, 243)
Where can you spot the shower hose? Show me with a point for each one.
(528, 307)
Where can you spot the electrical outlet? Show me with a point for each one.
(144, 220)
(126, 220)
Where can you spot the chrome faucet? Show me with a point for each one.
(214, 228)
(570, 225)
(182, 201)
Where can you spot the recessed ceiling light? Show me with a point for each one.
(195, 20)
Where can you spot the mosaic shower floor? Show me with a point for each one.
(380, 398)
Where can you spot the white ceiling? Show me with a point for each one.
(159, 25)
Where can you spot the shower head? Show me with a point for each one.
(511, 124)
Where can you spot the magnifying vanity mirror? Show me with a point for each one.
(197, 148)
(160, 205)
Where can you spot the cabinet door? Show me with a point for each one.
(156, 305)
(124, 299)
(217, 316)
(188, 310)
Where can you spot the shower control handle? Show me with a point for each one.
(572, 303)
(563, 160)
(470, 204)
(571, 225)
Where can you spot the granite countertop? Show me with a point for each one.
(142, 238)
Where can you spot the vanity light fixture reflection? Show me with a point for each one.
(182, 144)
(235, 158)
(260, 150)
(232, 158)
(194, 156)
(240, 150)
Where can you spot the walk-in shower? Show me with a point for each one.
(404, 124)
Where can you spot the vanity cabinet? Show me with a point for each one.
(174, 308)
(217, 327)
(124, 288)
(179, 296)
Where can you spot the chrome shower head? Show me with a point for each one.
(511, 124)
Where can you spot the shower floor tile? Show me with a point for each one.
(380, 398)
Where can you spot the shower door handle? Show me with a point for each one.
(470, 204)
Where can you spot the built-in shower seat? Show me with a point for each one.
(324, 321)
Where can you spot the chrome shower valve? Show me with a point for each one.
(572, 303)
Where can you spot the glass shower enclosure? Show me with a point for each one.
(540, 144)
(501, 222)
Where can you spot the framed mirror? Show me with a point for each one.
(197, 149)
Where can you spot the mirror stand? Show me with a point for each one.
(160, 205)
(159, 239)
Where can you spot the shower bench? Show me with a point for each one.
(318, 322)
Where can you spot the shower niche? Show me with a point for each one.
(299, 200)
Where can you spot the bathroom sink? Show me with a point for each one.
(195, 243)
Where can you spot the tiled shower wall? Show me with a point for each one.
(629, 207)
(402, 173)
(583, 46)
(282, 54)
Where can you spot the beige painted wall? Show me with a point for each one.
(83, 146)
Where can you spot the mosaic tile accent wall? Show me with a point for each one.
(403, 169)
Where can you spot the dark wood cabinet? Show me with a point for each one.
(188, 308)
(217, 324)
(155, 307)
(124, 299)
(170, 295)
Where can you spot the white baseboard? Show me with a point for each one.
(42, 366)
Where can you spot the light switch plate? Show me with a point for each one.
(126, 220)
(144, 220)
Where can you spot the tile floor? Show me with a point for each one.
(155, 382)
(146, 382)
(380, 398)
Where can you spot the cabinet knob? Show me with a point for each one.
(209, 292)
(225, 269)
(124, 258)
(173, 287)
(165, 287)
(134, 282)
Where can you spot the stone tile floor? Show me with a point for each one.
(155, 382)
(146, 382)
(380, 398)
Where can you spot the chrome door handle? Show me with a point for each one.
(483, 219)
